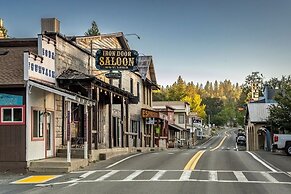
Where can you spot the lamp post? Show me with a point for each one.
(132, 34)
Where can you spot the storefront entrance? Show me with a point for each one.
(49, 134)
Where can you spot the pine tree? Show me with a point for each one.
(93, 31)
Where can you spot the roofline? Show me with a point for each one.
(69, 41)
(119, 35)
(18, 42)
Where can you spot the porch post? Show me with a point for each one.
(122, 122)
(69, 131)
(110, 120)
(86, 132)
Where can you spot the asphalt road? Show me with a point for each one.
(217, 166)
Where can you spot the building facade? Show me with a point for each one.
(53, 97)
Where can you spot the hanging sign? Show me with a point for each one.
(113, 59)
(115, 75)
(143, 65)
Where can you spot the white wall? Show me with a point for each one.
(38, 99)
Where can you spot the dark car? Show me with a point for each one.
(241, 140)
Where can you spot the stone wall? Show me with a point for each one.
(70, 56)
(58, 120)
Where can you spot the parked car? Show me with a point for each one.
(282, 142)
(241, 140)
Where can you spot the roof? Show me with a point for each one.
(105, 41)
(71, 74)
(11, 60)
(258, 112)
(176, 127)
(172, 104)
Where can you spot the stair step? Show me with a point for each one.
(73, 150)
(50, 169)
(64, 155)
(50, 164)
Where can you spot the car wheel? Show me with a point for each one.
(288, 149)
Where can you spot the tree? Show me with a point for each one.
(253, 86)
(178, 90)
(196, 105)
(213, 106)
(3, 30)
(93, 31)
(280, 114)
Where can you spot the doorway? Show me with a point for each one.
(49, 134)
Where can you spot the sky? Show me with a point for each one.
(199, 40)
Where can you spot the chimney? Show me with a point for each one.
(50, 25)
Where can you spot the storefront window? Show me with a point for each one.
(12, 115)
(37, 124)
(7, 114)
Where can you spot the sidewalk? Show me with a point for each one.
(277, 159)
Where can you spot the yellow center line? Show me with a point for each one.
(194, 160)
(197, 159)
(219, 144)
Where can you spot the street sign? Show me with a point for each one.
(113, 75)
(113, 59)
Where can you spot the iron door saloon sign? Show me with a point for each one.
(110, 59)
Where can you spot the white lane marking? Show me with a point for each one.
(171, 153)
(240, 176)
(185, 175)
(133, 175)
(269, 177)
(236, 147)
(222, 148)
(109, 174)
(158, 175)
(212, 176)
(87, 174)
(262, 162)
(123, 160)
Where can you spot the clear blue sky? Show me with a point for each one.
(200, 39)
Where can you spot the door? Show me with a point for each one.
(49, 135)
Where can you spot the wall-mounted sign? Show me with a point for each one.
(107, 59)
(146, 113)
(41, 66)
(9, 99)
(150, 121)
(115, 75)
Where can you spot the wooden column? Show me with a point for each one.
(68, 126)
(122, 123)
(86, 131)
(126, 123)
(110, 120)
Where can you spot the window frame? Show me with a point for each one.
(39, 138)
(181, 115)
(11, 107)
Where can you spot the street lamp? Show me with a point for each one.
(132, 34)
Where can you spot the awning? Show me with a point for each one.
(176, 127)
(77, 98)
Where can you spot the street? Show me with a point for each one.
(216, 166)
